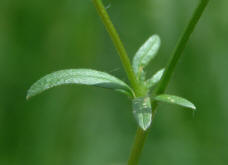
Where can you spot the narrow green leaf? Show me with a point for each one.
(78, 76)
(155, 78)
(175, 100)
(142, 111)
(145, 54)
(127, 93)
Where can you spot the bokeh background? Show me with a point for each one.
(78, 125)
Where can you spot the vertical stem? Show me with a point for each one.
(140, 136)
(117, 42)
(137, 146)
(180, 46)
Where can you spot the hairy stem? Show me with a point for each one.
(118, 44)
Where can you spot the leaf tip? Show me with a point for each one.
(28, 96)
(144, 120)
(30, 93)
(145, 126)
(156, 36)
(193, 107)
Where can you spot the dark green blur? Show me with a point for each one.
(78, 125)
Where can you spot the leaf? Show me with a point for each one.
(78, 76)
(128, 94)
(145, 54)
(175, 100)
(142, 111)
(155, 78)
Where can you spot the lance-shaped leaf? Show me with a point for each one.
(78, 76)
(142, 111)
(155, 78)
(175, 100)
(145, 54)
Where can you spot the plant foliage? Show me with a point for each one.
(78, 76)
(141, 106)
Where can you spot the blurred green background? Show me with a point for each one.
(75, 125)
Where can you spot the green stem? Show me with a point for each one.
(180, 47)
(118, 44)
(137, 146)
(140, 135)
